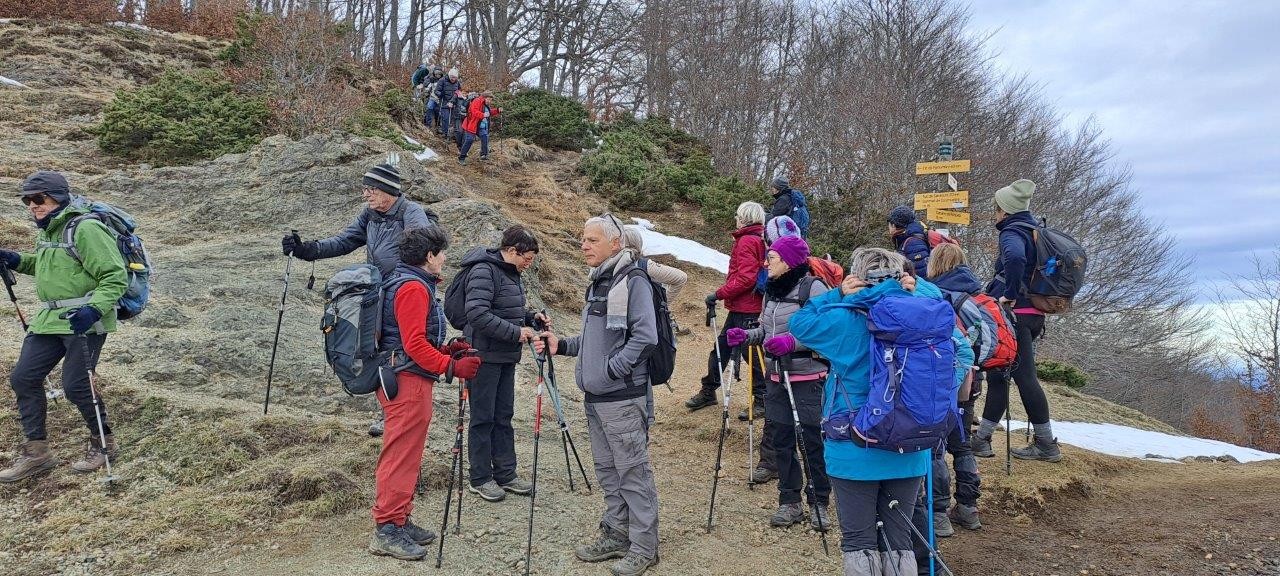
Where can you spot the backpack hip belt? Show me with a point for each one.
(68, 303)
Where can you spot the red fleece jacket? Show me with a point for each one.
(412, 306)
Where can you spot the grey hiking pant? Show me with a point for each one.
(40, 353)
(860, 503)
(619, 434)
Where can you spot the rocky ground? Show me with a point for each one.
(211, 486)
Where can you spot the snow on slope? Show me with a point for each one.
(1130, 442)
(12, 82)
(682, 248)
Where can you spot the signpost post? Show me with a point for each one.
(944, 207)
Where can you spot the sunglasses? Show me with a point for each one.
(613, 220)
(37, 199)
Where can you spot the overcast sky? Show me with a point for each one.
(1187, 92)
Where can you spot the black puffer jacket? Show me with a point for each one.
(495, 306)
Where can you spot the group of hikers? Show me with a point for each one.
(839, 364)
(455, 115)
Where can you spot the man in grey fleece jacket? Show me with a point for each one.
(619, 332)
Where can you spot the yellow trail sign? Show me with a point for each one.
(949, 216)
(958, 199)
(947, 167)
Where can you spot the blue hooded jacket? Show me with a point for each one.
(959, 279)
(914, 244)
(830, 325)
(1017, 260)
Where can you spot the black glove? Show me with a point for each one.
(290, 243)
(83, 318)
(11, 259)
(711, 300)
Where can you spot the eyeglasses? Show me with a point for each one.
(37, 199)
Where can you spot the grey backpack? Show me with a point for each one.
(352, 324)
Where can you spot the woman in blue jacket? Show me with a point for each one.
(865, 480)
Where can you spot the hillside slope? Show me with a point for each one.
(212, 486)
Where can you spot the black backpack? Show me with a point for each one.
(1059, 268)
(455, 298)
(662, 359)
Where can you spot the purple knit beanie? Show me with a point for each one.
(793, 250)
(778, 227)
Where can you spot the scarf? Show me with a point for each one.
(781, 287)
(616, 310)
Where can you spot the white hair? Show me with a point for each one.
(609, 225)
(750, 213)
(632, 240)
(867, 259)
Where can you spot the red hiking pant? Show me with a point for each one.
(405, 435)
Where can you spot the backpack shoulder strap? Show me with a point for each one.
(69, 235)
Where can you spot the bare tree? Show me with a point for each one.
(1251, 313)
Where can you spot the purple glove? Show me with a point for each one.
(735, 336)
(780, 345)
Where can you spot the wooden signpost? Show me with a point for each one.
(944, 207)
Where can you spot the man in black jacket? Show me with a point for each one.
(782, 204)
(497, 325)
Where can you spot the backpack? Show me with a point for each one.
(911, 404)
(1059, 271)
(455, 299)
(137, 263)
(989, 328)
(352, 325)
(935, 238)
(662, 357)
(828, 271)
(799, 212)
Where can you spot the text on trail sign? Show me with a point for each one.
(949, 166)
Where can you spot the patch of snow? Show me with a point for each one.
(7, 20)
(12, 82)
(134, 25)
(1128, 442)
(682, 248)
(426, 155)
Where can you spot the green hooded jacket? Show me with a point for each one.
(60, 277)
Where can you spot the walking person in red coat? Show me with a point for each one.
(476, 125)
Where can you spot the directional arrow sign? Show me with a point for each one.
(951, 182)
(926, 200)
(950, 216)
(947, 167)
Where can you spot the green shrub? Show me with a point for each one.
(720, 198)
(377, 118)
(1054, 371)
(648, 165)
(546, 119)
(181, 117)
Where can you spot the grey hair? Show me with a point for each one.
(867, 259)
(608, 224)
(632, 240)
(750, 213)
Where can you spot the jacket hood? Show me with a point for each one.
(960, 279)
(490, 255)
(1024, 217)
(912, 229)
(753, 229)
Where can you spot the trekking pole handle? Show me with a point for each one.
(9, 279)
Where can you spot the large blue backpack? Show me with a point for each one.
(137, 263)
(911, 405)
(800, 212)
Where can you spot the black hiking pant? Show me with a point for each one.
(492, 441)
(40, 353)
(968, 483)
(711, 380)
(791, 472)
(1030, 327)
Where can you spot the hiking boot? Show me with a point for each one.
(484, 157)
(744, 416)
(490, 491)
(761, 474)
(705, 397)
(462, 161)
(95, 454)
(519, 486)
(632, 565)
(819, 519)
(611, 544)
(1039, 450)
(942, 525)
(33, 458)
(981, 446)
(377, 427)
(787, 515)
(965, 517)
(391, 540)
(418, 534)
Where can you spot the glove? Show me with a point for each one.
(83, 318)
(455, 347)
(11, 259)
(290, 243)
(735, 336)
(711, 300)
(780, 345)
(466, 368)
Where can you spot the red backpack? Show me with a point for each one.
(829, 272)
(936, 238)
(1006, 348)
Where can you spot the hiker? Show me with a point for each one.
(671, 278)
(740, 297)
(387, 214)
(431, 117)
(949, 271)
(790, 285)
(618, 330)
(446, 93)
(498, 326)
(1012, 273)
(413, 325)
(79, 310)
(865, 479)
(476, 125)
(789, 202)
(909, 238)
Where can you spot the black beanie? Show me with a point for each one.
(384, 177)
(50, 183)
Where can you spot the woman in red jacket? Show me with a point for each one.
(476, 125)
(739, 295)
(413, 329)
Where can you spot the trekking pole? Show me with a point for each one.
(812, 492)
(455, 467)
(533, 493)
(10, 281)
(1008, 448)
(885, 542)
(751, 419)
(934, 555)
(275, 344)
(566, 439)
(97, 408)
(724, 417)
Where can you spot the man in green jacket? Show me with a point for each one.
(78, 309)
